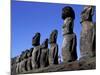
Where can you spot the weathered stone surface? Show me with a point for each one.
(71, 66)
(36, 51)
(36, 39)
(69, 48)
(17, 64)
(44, 62)
(53, 52)
(53, 36)
(36, 60)
(29, 59)
(69, 38)
(36, 57)
(87, 13)
(29, 64)
(23, 62)
(23, 66)
(13, 66)
(87, 39)
(24, 55)
(13, 69)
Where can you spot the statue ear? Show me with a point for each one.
(92, 11)
(56, 33)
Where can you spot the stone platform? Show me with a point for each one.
(83, 64)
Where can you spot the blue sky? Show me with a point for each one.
(27, 18)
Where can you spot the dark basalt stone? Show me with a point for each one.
(36, 52)
(17, 64)
(69, 37)
(22, 65)
(53, 52)
(36, 57)
(29, 60)
(69, 48)
(29, 64)
(29, 53)
(53, 36)
(36, 39)
(24, 54)
(44, 62)
(68, 12)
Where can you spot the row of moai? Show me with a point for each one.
(87, 37)
(41, 56)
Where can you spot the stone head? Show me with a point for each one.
(87, 13)
(31, 50)
(36, 39)
(29, 53)
(13, 60)
(53, 36)
(17, 59)
(24, 54)
(68, 12)
(45, 44)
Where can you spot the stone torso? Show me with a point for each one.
(53, 54)
(44, 57)
(67, 41)
(86, 41)
(87, 34)
(69, 38)
(35, 57)
(69, 48)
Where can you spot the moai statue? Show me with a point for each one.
(29, 60)
(87, 38)
(44, 62)
(69, 53)
(53, 52)
(23, 66)
(36, 51)
(13, 60)
(17, 64)
(13, 66)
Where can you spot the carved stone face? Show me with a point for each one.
(87, 13)
(24, 54)
(45, 44)
(13, 60)
(68, 12)
(31, 50)
(36, 39)
(53, 36)
(29, 53)
(68, 26)
(18, 59)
